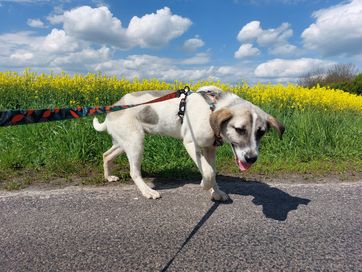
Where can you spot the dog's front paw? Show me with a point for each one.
(151, 194)
(112, 178)
(219, 195)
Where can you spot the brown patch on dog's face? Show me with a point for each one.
(238, 129)
(218, 118)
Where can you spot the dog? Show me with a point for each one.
(211, 116)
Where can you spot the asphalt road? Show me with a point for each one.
(275, 227)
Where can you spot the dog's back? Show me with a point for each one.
(156, 118)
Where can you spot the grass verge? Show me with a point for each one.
(315, 142)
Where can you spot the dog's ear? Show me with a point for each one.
(272, 122)
(217, 118)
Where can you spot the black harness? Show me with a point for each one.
(182, 107)
(210, 98)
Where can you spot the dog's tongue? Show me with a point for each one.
(243, 165)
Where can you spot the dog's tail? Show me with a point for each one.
(99, 126)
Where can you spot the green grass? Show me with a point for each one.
(314, 142)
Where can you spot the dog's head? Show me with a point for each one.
(243, 126)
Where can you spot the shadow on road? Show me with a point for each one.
(275, 202)
(199, 224)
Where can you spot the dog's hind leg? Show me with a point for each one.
(134, 152)
(108, 157)
(205, 161)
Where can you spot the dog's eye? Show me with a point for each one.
(241, 131)
(259, 133)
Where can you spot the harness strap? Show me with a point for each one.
(211, 99)
(30, 116)
(182, 107)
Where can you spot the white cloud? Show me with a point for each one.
(265, 37)
(199, 58)
(146, 66)
(337, 30)
(91, 39)
(226, 70)
(193, 44)
(21, 57)
(277, 35)
(275, 39)
(11, 41)
(56, 50)
(246, 50)
(76, 47)
(81, 59)
(289, 69)
(283, 49)
(235, 73)
(100, 26)
(58, 41)
(59, 52)
(37, 23)
(95, 25)
(250, 32)
(154, 30)
(189, 74)
(55, 19)
(48, 54)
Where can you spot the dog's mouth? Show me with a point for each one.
(243, 166)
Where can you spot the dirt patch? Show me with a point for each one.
(33, 180)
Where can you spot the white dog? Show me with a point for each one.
(211, 115)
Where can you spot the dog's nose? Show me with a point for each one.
(250, 158)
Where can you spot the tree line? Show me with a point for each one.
(340, 76)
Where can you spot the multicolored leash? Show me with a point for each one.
(30, 116)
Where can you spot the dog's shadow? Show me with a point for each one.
(276, 203)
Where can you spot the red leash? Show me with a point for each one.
(30, 116)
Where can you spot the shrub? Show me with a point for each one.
(340, 76)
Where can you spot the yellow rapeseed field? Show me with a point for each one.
(30, 89)
(297, 97)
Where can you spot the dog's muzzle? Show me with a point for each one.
(248, 161)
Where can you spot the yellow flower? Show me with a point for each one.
(98, 89)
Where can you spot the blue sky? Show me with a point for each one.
(231, 40)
